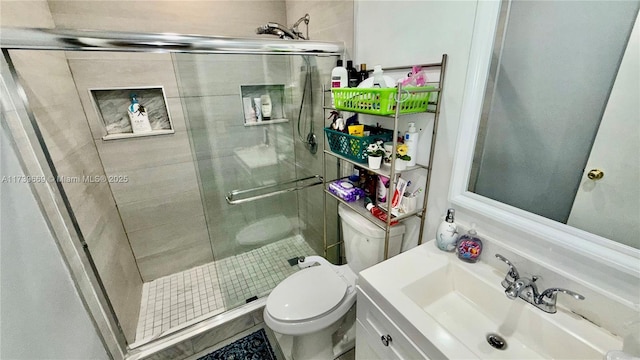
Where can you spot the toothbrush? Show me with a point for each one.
(418, 191)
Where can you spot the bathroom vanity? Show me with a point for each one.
(427, 304)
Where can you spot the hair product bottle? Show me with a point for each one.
(363, 74)
(411, 140)
(352, 75)
(138, 116)
(266, 106)
(339, 78)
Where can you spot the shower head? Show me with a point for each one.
(281, 31)
(276, 29)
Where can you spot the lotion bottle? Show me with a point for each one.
(266, 106)
(339, 78)
(447, 234)
(411, 140)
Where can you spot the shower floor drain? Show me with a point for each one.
(497, 341)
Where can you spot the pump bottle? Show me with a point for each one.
(339, 78)
(447, 233)
(411, 140)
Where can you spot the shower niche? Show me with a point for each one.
(262, 104)
(111, 104)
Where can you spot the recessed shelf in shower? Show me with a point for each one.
(111, 105)
(251, 100)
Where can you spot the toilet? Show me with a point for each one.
(313, 305)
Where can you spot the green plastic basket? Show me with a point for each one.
(355, 147)
(381, 101)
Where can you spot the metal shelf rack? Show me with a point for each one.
(391, 172)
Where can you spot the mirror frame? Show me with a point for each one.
(532, 233)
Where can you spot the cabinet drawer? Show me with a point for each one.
(383, 335)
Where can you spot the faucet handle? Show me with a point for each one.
(547, 299)
(513, 272)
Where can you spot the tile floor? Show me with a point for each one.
(178, 300)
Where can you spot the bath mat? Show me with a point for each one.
(254, 346)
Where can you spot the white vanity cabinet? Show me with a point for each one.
(378, 337)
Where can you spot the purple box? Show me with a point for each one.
(345, 190)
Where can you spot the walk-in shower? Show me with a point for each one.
(198, 217)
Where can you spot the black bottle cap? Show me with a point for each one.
(450, 215)
(339, 62)
(349, 63)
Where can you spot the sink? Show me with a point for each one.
(450, 307)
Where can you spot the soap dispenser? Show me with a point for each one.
(469, 246)
(447, 234)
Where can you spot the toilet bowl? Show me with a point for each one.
(311, 304)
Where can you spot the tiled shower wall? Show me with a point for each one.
(160, 170)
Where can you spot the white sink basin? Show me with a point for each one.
(452, 305)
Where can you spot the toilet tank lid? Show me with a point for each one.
(365, 226)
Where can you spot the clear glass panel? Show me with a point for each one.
(168, 248)
(236, 150)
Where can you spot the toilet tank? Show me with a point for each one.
(364, 241)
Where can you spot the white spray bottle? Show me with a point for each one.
(447, 234)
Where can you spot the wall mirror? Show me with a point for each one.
(552, 94)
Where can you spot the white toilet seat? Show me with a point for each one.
(307, 294)
(311, 299)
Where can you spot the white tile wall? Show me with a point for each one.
(172, 302)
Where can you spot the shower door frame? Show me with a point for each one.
(36, 161)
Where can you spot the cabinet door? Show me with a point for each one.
(384, 337)
(364, 351)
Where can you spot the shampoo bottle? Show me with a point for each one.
(352, 75)
(382, 189)
(266, 106)
(411, 140)
(138, 116)
(447, 233)
(339, 78)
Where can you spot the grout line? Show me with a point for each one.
(174, 301)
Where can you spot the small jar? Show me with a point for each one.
(469, 247)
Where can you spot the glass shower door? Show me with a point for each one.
(239, 143)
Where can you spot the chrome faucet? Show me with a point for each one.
(527, 290)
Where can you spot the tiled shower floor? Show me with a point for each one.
(178, 300)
